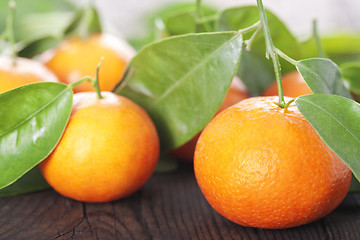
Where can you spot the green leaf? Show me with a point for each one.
(34, 26)
(26, 7)
(322, 76)
(32, 181)
(84, 22)
(182, 81)
(33, 118)
(40, 32)
(31, 49)
(175, 19)
(74, 23)
(182, 22)
(94, 21)
(241, 17)
(350, 72)
(255, 73)
(336, 120)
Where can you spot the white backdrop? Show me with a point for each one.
(332, 15)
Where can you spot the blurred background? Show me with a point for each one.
(129, 17)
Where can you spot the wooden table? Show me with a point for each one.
(169, 206)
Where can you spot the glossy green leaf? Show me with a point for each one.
(32, 181)
(181, 81)
(242, 17)
(350, 72)
(33, 118)
(336, 120)
(322, 76)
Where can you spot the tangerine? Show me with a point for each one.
(23, 71)
(263, 166)
(108, 151)
(236, 93)
(76, 58)
(293, 85)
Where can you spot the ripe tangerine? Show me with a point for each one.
(108, 151)
(263, 166)
(24, 71)
(76, 58)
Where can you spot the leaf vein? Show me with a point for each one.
(33, 114)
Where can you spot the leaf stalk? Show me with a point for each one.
(286, 57)
(320, 49)
(95, 83)
(250, 42)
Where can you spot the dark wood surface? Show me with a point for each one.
(169, 206)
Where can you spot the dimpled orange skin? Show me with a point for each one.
(76, 58)
(108, 151)
(236, 93)
(25, 71)
(293, 84)
(262, 166)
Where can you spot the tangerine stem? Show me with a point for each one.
(289, 102)
(270, 51)
(249, 29)
(95, 83)
(286, 57)
(73, 85)
(320, 49)
(10, 30)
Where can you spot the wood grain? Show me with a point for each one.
(169, 206)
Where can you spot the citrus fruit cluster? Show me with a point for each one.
(257, 164)
(110, 146)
